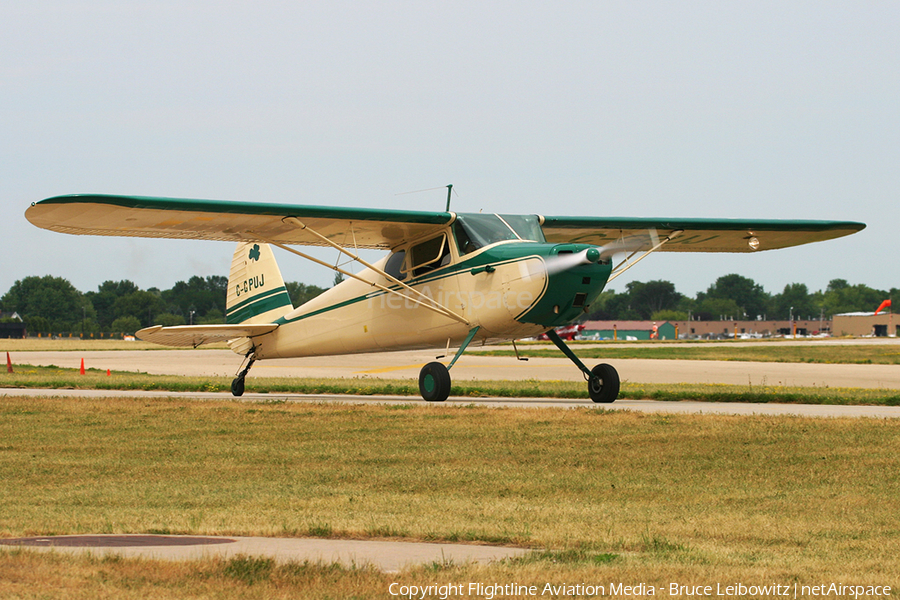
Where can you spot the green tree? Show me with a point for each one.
(302, 293)
(713, 309)
(212, 317)
(841, 297)
(105, 297)
(750, 297)
(669, 315)
(168, 320)
(51, 298)
(198, 294)
(651, 297)
(143, 306)
(126, 324)
(599, 310)
(796, 296)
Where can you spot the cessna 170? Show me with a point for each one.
(449, 280)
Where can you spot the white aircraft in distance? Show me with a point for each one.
(448, 280)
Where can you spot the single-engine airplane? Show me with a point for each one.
(449, 279)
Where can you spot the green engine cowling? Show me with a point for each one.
(576, 277)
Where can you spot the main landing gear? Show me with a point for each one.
(434, 382)
(237, 386)
(602, 380)
(434, 378)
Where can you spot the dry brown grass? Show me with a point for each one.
(616, 496)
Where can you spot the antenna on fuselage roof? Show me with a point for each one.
(449, 192)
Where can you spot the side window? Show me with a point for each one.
(463, 241)
(429, 255)
(394, 264)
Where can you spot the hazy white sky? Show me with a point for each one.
(684, 109)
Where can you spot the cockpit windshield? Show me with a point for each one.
(476, 230)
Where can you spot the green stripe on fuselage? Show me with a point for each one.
(506, 254)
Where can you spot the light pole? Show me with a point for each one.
(793, 332)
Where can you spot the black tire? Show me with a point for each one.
(237, 387)
(434, 382)
(604, 384)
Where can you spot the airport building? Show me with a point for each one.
(769, 328)
(624, 330)
(726, 329)
(11, 326)
(862, 324)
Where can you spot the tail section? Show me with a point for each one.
(256, 292)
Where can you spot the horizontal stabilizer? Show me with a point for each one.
(197, 335)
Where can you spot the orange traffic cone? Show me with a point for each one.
(82, 367)
(8, 364)
(108, 373)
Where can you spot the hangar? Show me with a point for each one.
(866, 324)
(622, 330)
(12, 326)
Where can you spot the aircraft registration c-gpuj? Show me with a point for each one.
(448, 280)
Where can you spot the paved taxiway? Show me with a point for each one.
(386, 556)
(406, 365)
(654, 406)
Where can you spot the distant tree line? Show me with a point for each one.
(53, 305)
(735, 297)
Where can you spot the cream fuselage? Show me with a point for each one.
(355, 317)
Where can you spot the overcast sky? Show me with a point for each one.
(651, 109)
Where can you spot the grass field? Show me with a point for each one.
(75, 344)
(29, 376)
(810, 352)
(604, 496)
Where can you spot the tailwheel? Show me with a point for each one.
(237, 386)
(434, 382)
(603, 386)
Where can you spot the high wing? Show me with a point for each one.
(196, 335)
(694, 235)
(136, 216)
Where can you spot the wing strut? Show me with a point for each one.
(622, 266)
(428, 302)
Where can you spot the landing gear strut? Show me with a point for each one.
(602, 380)
(434, 378)
(237, 386)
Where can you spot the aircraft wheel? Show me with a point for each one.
(604, 384)
(237, 386)
(434, 382)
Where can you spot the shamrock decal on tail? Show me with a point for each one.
(254, 252)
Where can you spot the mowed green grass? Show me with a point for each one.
(808, 351)
(28, 376)
(763, 351)
(605, 496)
